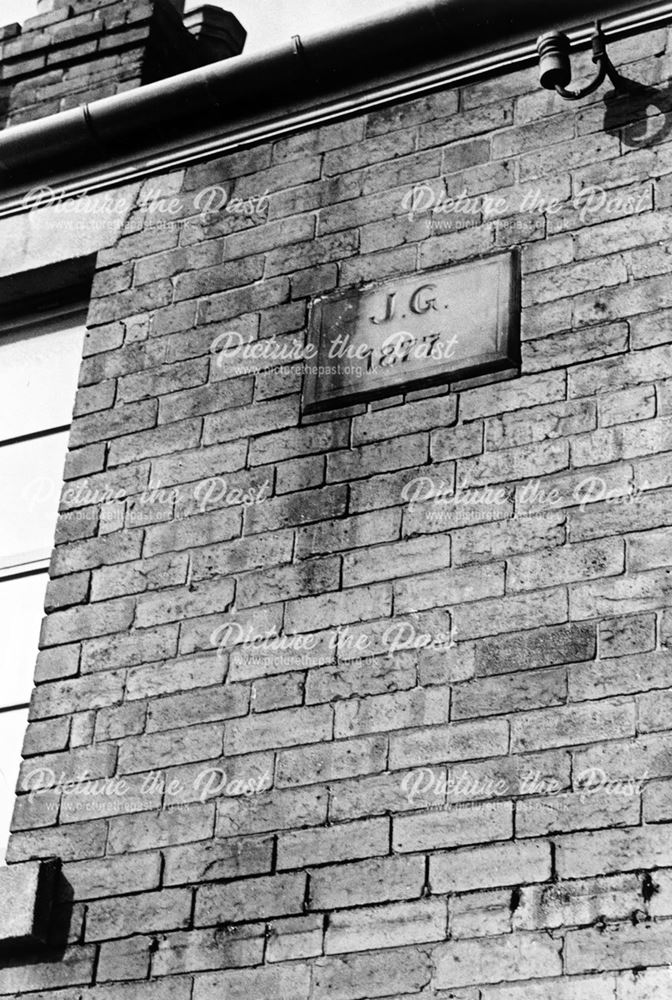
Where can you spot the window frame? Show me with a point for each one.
(34, 563)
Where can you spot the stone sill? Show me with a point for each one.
(27, 892)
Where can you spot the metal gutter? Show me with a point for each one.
(249, 99)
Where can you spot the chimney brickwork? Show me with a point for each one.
(73, 53)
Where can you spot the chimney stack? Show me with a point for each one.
(73, 52)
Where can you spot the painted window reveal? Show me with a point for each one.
(39, 364)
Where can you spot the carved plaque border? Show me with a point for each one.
(413, 332)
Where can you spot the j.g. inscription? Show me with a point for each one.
(420, 330)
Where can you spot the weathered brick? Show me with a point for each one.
(572, 279)
(636, 512)
(179, 746)
(355, 605)
(540, 423)
(620, 373)
(73, 967)
(586, 854)
(537, 817)
(197, 706)
(343, 679)
(625, 674)
(154, 911)
(386, 490)
(236, 423)
(129, 303)
(66, 696)
(118, 722)
(150, 830)
(160, 441)
(650, 330)
(296, 937)
(390, 711)
(136, 577)
(203, 399)
(509, 693)
(194, 951)
(573, 725)
(630, 441)
(456, 246)
(624, 594)
(375, 881)
(576, 345)
(95, 552)
(425, 415)
(653, 712)
(485, 914)
(277, 447)
(128, 649)
(536, 648)
(453, 827)
(403, 558)
(463, 741)
(484, 618)
(454, 510)
(87, 622)
(370, 459)
(278, 810)
(166, 378)
(103, 877)
(232, 304)
(447, 666)
(448, 587)
(457, 442)
(271, 896)
(201, 529)
(489, 960)
(626, 406)
(203, 634)
(225, 558)
(217, 859)
(508, 538)
(490, 866)
(538, 322)
(380, 794)
(644, 985)
(507, 465)
(85, 840)
(656, 802)
(297, 509)
(278, 729)
(179, 603)
(344, 842)
(290, 982)
(566, 564)
(300, 474)
(327, 762)
(389, 926)
(619, 946)
(272, 693)
(266, 586)
(627, 762)
(623, 636)
(47, 736)
(372, 974)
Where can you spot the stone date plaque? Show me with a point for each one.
(413, 332)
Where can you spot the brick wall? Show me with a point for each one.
(89, 49)
(327, 868)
